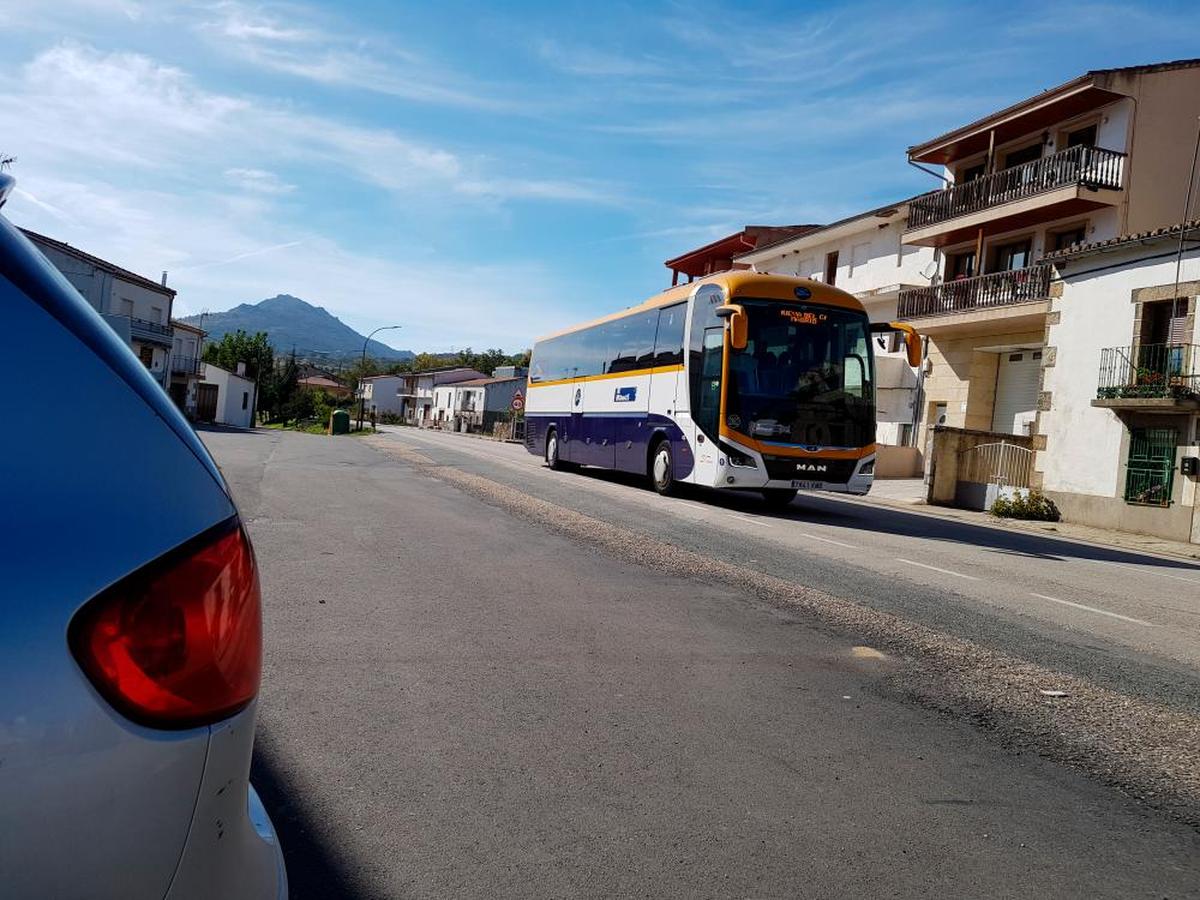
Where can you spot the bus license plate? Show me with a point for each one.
(808, 485)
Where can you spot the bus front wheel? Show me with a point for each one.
(779, 498)
(552, 457)
(662, 469)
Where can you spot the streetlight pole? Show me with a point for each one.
(362, 365)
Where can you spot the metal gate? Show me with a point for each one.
(206, 402)
(983, 470)
(1151, 470)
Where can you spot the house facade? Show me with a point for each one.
(477, 403)
(137, 308)
(411, 395)
(1117, 434)
(226, 398)
(184, 366)
(720, 255)
(1103, 155)
(865, 255)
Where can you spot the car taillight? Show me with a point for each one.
(178, 643)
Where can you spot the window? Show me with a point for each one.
(126, 307)
(631, 341)
(1164, 321)
(146, 355)
(245, 399)
(1061, 240)
(156, 314)
(1082, 137)
(1151, 467)
(970, 173)
(668, 340)
(1010, 257)
(831, 266)
(960, 265)
(1019, 157)
(708, 411)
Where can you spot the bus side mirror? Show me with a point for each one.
(738, 324)
(912, 342)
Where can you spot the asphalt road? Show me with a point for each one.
(459, 700)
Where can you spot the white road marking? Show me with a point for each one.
(1129, 567)
(827, 540)
(752, 521)
(911, 562)
(1103, 612)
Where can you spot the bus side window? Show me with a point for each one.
(668, 342)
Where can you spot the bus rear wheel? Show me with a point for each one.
(662, 469)
(779, 498)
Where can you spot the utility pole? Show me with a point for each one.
(362, 394)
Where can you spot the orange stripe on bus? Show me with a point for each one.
(632, 373)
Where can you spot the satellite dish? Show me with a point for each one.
(930, 270)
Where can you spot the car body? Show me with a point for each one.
(121, 547)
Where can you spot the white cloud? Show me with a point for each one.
(258, 181)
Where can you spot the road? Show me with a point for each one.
(486, 679)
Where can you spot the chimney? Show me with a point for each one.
(241, 369)
(164, 278)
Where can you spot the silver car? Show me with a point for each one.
(130, 628)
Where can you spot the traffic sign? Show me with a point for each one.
(518, 402)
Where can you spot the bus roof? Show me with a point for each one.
(738, 283)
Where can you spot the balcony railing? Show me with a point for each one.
(1149, 372)
(1087, 166)
(145, 330)
(185, 365)
(980, 292)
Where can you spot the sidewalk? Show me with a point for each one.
(909, 494)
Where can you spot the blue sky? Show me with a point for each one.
(480, 173)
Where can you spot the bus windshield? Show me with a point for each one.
(806, 376)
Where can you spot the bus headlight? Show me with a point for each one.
(741, 460)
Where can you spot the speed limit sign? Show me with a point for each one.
(518, 402)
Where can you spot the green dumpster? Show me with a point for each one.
(339, 422)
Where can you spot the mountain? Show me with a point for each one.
(290, 322)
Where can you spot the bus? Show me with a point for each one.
(741, 381)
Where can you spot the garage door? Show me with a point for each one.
(1016, 391)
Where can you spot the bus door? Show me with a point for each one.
(706, 416)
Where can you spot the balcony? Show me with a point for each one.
(981, 294)
(1062, 184)
(185, 365)
(149, 332)
(1150, 377)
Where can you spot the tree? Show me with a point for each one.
(238, 347)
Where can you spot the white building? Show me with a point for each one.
(224, 397)
(477, 403)
(1119, 407)
(137, 308)
(184, 365)
(865, 255)
(383, 394)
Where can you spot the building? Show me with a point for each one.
(410, 395)
(1119, 404)
(314, 378)
(719, 255)
(1105, 154)
(865, 255)
(477, 403)
(224, 397)
(184, 365)
(137, 308)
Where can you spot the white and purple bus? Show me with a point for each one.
(740, 381)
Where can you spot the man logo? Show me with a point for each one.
(811, 467)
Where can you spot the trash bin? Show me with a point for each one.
(339, 422)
